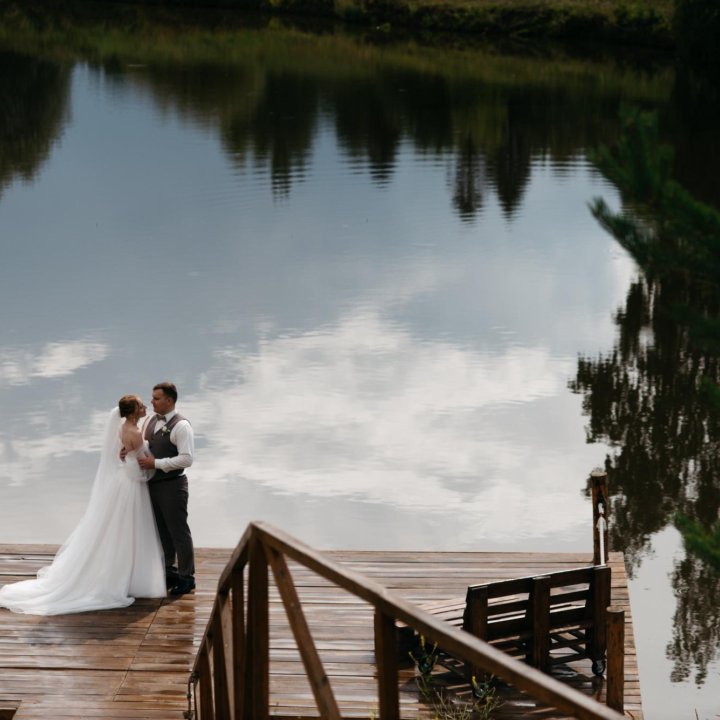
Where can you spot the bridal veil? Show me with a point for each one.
(114, 553)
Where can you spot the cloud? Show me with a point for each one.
(20, 367)
(364, 410)
(24, 459)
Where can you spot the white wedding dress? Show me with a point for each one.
(113, 555)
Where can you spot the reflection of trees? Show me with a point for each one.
(696, 623)
(367, 125)
(652, 397)
(279, 129)
(34, 98)
(646, 399)
(469, 180)
(486, 115)
(488, 132)
(510, 168)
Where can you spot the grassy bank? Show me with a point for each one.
(130, 34)
(644, 23)
(637, 22)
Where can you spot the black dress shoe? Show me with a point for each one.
(182, 587)
(171, 581)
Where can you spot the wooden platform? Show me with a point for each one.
(134, 663)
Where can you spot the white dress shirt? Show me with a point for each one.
(182, 437)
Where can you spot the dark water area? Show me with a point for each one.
(369, 264)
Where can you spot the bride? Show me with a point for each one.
(114, 554)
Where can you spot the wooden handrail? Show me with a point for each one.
(262, 542)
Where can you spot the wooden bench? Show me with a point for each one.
(554, 618)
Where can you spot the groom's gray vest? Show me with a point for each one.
(161, 446)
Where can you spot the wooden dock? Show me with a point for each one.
(134, 663)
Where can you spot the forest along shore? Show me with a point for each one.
(640, 23)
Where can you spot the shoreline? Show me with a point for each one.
(636, 23)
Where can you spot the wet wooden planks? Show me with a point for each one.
(134, 663)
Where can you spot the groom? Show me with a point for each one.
(171, 441)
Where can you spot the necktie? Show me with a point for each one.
(161, 418)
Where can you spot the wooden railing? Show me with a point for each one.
(231, 672)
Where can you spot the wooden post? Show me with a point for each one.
(599, 497)
(600, 599)
(237, 590)
(387, 666)
(207, 711)
(540, 622)
(257, 648)
(475, 620)
(616, 659)
(222, 661)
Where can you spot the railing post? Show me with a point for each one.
(207, 710)
(222, 660)
(616, 659)
(600, 599)
(600, 499)
(475, 619)
(387, 666)
(257, 648)
(540, 622)
(239, 649)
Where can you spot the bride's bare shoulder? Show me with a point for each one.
(131, 437)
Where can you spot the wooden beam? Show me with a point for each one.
(257, 648)
(616, 659)
(475, 620)
(237, 597)
(221, 661)
(600, 600)
(539, 612)
(207, 711)
(319, 682)
(387, 666)
(238, 559)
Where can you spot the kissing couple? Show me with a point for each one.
(133, 540)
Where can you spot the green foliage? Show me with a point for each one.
(425, 658)
(477, 703)
(704, 543)
(300, 7)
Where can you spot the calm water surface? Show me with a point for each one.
(370, 270)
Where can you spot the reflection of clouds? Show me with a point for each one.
(367, 411)
(19, 367)
(26, 458)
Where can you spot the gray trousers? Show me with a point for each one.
(169, 503)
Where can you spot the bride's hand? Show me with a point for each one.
(123, 453)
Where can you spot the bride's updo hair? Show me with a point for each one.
(128, 404)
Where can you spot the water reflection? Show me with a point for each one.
(369, 270)
(34, 97)
(696, 634)
(491, 133)
(21, 366)
(646, 399)
(268, 94)
(651, 397)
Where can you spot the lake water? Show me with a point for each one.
(369, 266)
